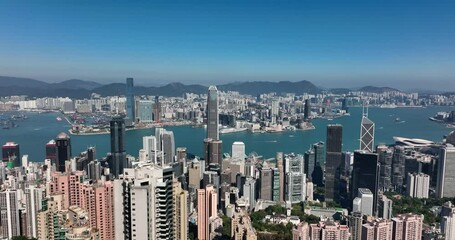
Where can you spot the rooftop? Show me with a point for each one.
(62, 135)
(413, 142)
(10, 144)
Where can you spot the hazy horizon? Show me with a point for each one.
(405, 45)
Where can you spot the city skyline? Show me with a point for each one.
(336, 44)
(205, 120)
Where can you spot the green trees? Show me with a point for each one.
(278, 231)
(405, 204)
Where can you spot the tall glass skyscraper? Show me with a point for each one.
(130, 104)
(117, 127)
(212, 114)
(333, 161)
(366, 134)
(63, 151)
(365, 174)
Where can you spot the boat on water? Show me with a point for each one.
(59, 119)
(398, 120)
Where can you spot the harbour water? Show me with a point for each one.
(35, 132)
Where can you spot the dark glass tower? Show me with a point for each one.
(365, 174)
(212, 114)
(333, 161)
(117, 127)
(63, 145)
(130, 104)
(157, 110)
(315, 163)
(306, 109)
(51, 151)
(11, 152)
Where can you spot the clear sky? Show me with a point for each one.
(405, 44)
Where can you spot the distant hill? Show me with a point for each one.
(373, 89)
(21, 82)
(34, 88)
(171, 89)
(77, 84)
(178, 89)
(76, 88)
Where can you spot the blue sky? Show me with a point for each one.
(405, 44)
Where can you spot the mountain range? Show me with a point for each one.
(76, 88)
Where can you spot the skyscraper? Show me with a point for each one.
(67, 184)
(181, 211)
(51, 151)
(130, 102)
(145, 111)
(407, 226)
(398, 167)
(143, 203)
(448, 220)
(274, 110)
(238, 150)
(333, 161)
(149, 144)
(418, 185)
(306, 109)
(384, 207)
(98, 200)
(266, 183)
(295, 178)
(276, 188)
(117, 127)
(250, 193)
(168, 147)
(364, 202)
(94, 170)
(9, 204)
(280, 166)
(355, 225)
(213, 151)
(10, 152)
(315, 163)
(157, 110)
(366, 133)
(446, 172)
(33, 203)
(63, 144)
(377, 229)
(385, 163)
(365, 174)
(212, 113)
(207, 205)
